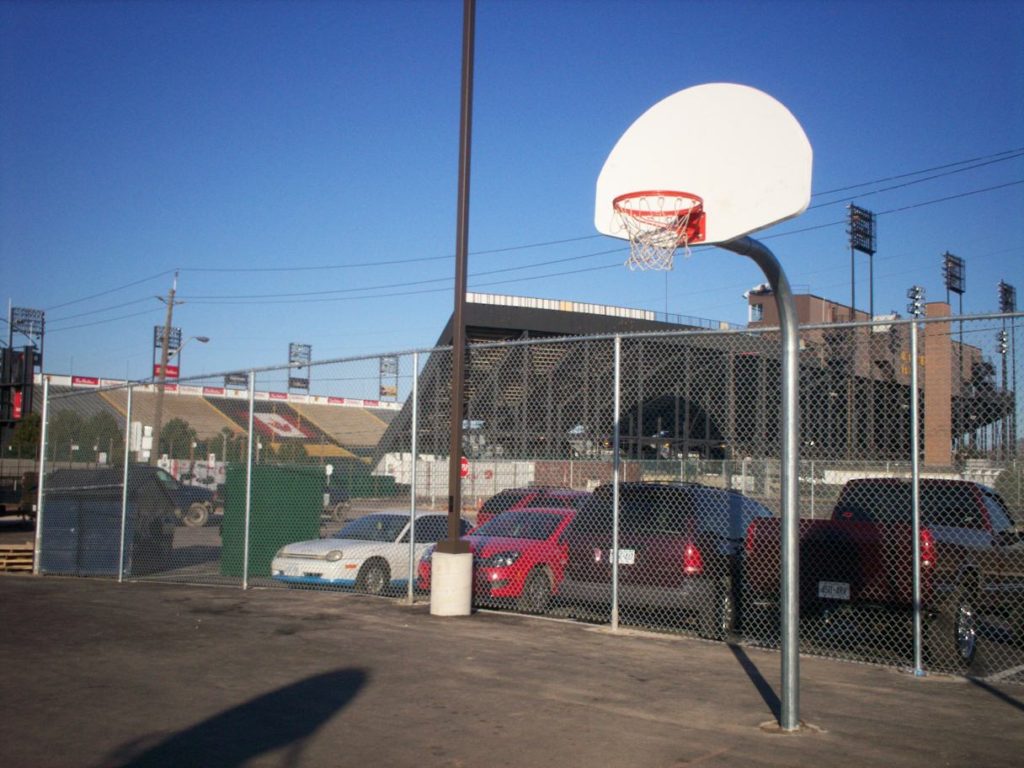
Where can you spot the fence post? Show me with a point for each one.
(915, 489)
(124, 486)
(248, 482)
(414, 450)
(616, 468)
(42, 475)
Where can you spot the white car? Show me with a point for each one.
(370, 553)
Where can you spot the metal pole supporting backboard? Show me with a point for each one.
(616, 478)
(790, 603)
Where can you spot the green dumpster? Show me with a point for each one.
(285, 507)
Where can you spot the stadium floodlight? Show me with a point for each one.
(916, 304)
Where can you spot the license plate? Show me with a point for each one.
(834, 590)
(627, 556)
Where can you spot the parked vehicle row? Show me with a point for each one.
(679, 550)
(703, 555)
(970, 549)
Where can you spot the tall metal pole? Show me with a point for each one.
(453, 544)
(162, 378)
(853, 287)
(248, 481)
(40, 491)
(790, 456)
(616, 479)
(124, 487)
(414, 450)
(915, 475)
(1013, 384)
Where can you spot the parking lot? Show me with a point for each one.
(143, 674)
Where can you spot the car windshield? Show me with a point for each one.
(537, 526)
(941, 503)
(374, 528)
(166, 480)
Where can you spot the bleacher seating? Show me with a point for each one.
(201, 416)
(86, 405)
(352, 427)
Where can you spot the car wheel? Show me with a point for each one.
(718, 620)
(536, 592)
(340, 511)
(374, 578)
(197, 515)
(952, 641)
(965, 631)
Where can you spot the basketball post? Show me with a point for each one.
(789, 719)
(709, 165)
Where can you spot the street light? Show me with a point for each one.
(177, 352)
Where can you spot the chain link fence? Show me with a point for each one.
(629, 480)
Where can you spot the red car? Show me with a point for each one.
(518, 558)
(538, 497)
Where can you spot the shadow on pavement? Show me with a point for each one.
(282, 718)
(767, 692)
(997, 693)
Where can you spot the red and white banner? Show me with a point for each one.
(280, 426)
(84, 381)
(172, 371)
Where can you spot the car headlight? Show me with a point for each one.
(334, 556)
(500, 559)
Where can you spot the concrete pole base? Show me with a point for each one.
(451, 584)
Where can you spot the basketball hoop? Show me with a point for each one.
(657, 223)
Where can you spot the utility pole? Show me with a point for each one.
(161, 380)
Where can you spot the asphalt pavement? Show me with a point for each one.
(144, 674)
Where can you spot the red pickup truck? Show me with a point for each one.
(972, 559)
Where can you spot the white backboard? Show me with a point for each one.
(734, 146)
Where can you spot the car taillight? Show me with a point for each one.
(927, 549)
(693, 563)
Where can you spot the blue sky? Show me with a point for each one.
(273, 152)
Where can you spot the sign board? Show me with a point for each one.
(172, 371)
(464, 467)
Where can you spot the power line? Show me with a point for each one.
(111, 290)
(1014, 152)
(911, 183)
(100, 322)
(392, 262)
(898, 210)
(97, 311)
(208, 299)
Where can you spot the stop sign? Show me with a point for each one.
(464, 467)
